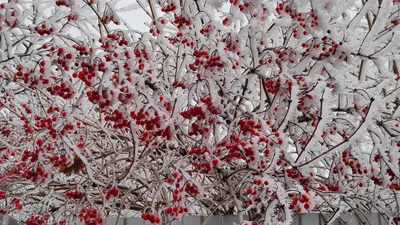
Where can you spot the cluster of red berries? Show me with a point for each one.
(206, 31)
(396, 220)
(251, 223)
(66, 3)
(314, 19)
(187, 42)
(377, 180)
(330, 187)
(72, 17)
(286, 55)
(304, 199)
(83, 50)
(157, 26)
(126, 95)
(90, 216)
(58, 161)
(245, 7)
(118, 118)
(68, 128)
(110, 17)
(192, 189)
(64, 58)
(104, 99)
(176, 177)
(195, 111)
(286, 7)
(168, 8)
(86, 75)
(232, 44)
(17, 203)
(112, 192)
(23, 74)
(37, 220)
(234, 2)
(44, 29)
(2, 195)
(62, 89)
(152, 218)
(176, 210)
(182, 21)
(306, 102)
(28, 154)
(201, 57)
(27, 109)
(12, 19)
(247, 126)
(205, 165)
(6, 131)
(74, 194)
(46, 123)
(395, 187)
(349, 160)
(167, 104)
(35, 175)
(214, 62)
(251, 191)
(179, 84)
(227, 21)
(272, 85)
(293, 173)
(111, 40)
(141, 53)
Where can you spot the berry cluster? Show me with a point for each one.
(38, 220)
(182, 21)
(195, 111)
(179, 84)
(83, 50)
(118, 118)
(62, 89)
(126, 95)
(25, 74)
(152, 218)
(68, 128)
(305, 103)
(72, 17)
(192, 189)
(90, 216)
(304, 199)
(17, 203)
(44, 29)
(35, 175)
(247, 126)
(232, 43)
(351, 161)
(66, 3)
(103, 98)
(168, 8)
(112, 192)
(33, 155)
(59, 161)
(246, 7)
(74, 194)
(108, 17)
(176, 211)
(206, 31)
(157, 26)
(88, 73)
